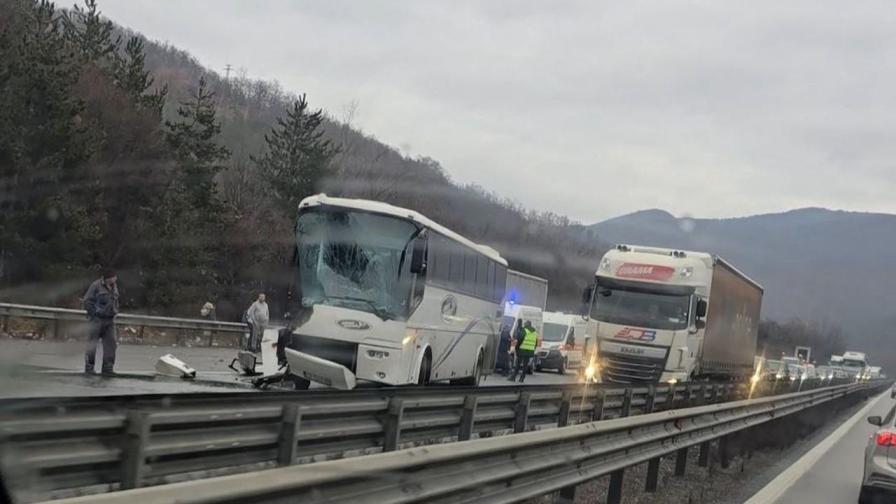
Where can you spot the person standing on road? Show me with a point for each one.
(257, 316)
(504, 344)
(525, 350)
(101, 304)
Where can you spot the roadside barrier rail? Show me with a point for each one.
(57, 316)
(54, 445)
(497, 470)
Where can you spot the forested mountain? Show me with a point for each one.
(832, 268)
(122, 152)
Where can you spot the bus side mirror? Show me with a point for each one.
(875, 420)
(701, 308)
(418, 256)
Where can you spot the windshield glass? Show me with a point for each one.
(853, 363)
(554, 332)
(355, 259)
(642, 309)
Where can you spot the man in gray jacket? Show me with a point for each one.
(258, 317)
(101, 303)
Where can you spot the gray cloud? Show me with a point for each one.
(590, 109)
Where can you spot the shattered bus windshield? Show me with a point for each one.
(355, 259)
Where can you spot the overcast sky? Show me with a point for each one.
(594, 108)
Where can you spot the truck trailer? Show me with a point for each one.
(667, 315)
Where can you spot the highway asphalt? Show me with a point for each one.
(41, 368)
(831, 472)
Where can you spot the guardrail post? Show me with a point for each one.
(289, 434)
(687, 394)
(136, 437)
(392, 427)
(724, 461)
(626, 402)
(653, 466)
(465, 431)
(703, 460)
(681, 461)
(650, 400)
(597, 413)
(653, 473)
(563, 415)
(521, 419)
(614, 492)
(713, 393)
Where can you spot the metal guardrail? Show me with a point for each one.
(496, 470)
(131, 441)
(58, 315)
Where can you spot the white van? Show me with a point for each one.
(515, 316)
(562, 342)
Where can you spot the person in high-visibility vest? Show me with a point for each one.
(525, 351)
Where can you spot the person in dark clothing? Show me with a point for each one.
(101, 304)
(503, 364)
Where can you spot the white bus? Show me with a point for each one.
(392, 297)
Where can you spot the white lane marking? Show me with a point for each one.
(776, 488)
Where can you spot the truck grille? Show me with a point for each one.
(629, 369)
(340, 352)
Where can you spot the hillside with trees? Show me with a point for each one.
(120, 152)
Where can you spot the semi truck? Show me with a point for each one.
(667, 315)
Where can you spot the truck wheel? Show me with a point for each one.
(561, 369)
(425, 369)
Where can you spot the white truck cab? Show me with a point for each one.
(562, 342)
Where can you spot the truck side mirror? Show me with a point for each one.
(701, 308)
(418, 256)
(585, 306)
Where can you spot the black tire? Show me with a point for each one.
(865, 495)
(299, 383)
(561, 369)
(472, 381)
(425, 369)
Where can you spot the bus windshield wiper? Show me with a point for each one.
(378, 311)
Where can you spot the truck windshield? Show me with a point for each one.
(554, 332)
(857, 364)
(642, 309)
(355, 259)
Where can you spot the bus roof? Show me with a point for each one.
(387, 209)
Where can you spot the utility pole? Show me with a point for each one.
(227, 69)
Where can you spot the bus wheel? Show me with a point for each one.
(472, 381)
(425, 369)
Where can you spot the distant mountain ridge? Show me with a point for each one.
(815, 263)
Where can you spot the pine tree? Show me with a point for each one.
(131, 75)
(90, 34)
(297, 156)
(192, 139)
